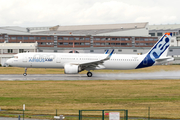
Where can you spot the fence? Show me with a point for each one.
(102, 114)
(143, 113)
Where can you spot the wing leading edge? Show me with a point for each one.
(94, 64)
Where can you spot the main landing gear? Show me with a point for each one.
(25, 72)
(89, 74)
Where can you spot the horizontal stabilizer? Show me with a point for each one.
(164, 60)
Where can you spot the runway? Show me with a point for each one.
(96, 76)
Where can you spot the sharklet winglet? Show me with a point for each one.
(109, 56)
(107, 51)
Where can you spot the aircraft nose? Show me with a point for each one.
(8, 62)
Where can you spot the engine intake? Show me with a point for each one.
(72, 69)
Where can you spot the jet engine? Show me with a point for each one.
(72, 69)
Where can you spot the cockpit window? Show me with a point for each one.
(15, 57)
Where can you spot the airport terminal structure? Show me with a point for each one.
(125, 38)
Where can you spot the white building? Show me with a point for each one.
(7, 50)
(159, 30)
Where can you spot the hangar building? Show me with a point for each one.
(125, 38)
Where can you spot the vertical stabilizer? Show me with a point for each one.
(159, 50)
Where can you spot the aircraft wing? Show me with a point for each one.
(93, 64)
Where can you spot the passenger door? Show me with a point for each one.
(24, 58)
(58, 59)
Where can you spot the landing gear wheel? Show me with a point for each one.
(24, 74)
(89, 74)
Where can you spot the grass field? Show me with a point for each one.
(44, 97)
(15, 70)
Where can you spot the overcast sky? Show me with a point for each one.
(30, 13)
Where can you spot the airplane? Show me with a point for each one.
(74, 63)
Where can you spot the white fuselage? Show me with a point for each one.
(58, 60)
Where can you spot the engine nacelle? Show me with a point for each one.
(71, 69)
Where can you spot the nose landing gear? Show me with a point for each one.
(25, 72)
